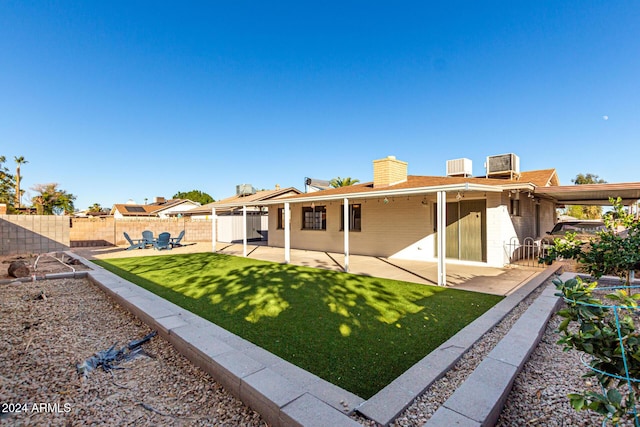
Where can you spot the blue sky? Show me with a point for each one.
(133, 100)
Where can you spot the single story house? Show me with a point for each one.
(468, 219)
(160, 208)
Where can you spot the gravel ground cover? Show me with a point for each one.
(539, 393)
(49, 326)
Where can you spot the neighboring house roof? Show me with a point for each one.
(152, 209)
(126, 209)
(89, 214)
(239, 200)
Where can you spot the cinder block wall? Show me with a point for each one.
(92, 232)
(109, 231)
(23, 234)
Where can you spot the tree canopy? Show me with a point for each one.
(343, 182)
(51, 200)
(96, 208)
(7, 185)
(587, 178)
(194, 195)
(586, 212)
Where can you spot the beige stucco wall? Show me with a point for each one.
(504, 228)
(387, 229)
(404, 227)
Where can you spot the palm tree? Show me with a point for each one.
(51, 200)
(343, 182)
(19, 161)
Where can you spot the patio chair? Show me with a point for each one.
(163, 241)
(147, 237)
(175, 241)
(137, 244)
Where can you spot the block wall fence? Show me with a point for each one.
(31, 234)
(49, 233)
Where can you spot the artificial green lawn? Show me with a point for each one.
(357, 332)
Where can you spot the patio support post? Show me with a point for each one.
(244, 231)
(346, 225)
(442, 237)
(287, 233)
(214, 236)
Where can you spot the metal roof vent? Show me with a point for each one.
(459, 167)
(503, 165)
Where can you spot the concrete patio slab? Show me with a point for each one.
(474, 277)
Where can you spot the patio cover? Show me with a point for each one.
(592, 194)
(345, 194)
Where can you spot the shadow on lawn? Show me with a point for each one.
(263, 290)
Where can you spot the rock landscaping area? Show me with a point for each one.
(50, 326)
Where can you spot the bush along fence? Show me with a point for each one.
(600, 321)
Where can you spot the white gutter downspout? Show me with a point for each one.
(214, 237)
(287, 233)
(346, 224)
(441, 209)
(244, 231)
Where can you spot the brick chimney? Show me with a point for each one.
(3, 208)
(389, 171)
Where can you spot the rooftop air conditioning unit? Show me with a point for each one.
(503, 165)
(245, 190)
(459, 167)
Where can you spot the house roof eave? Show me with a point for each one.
(317, 196)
